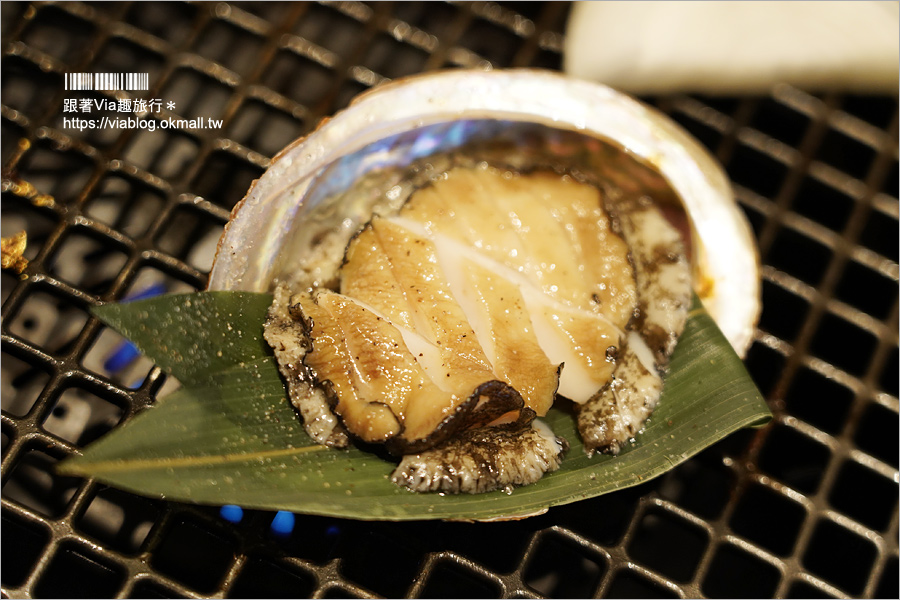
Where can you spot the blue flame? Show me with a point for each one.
(232, 513)
(283, 523)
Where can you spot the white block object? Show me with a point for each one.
(735, 47)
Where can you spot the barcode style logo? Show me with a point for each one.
(128, 82)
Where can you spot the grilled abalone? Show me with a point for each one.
(353, 179)
(459, 318)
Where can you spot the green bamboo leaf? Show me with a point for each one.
(193, 336)
(230, 436)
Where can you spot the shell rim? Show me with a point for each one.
(440, 96)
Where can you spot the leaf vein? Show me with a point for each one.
(112, 466)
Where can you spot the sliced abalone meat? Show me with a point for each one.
(468, 312)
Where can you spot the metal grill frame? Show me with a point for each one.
(437, 560)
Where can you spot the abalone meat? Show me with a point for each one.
(458, 319)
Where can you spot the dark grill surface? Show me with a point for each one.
(805, 507)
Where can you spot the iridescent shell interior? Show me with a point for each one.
(371, 156)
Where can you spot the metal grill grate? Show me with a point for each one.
(805, 507)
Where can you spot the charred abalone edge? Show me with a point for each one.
(619, 410)
(485, 459)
